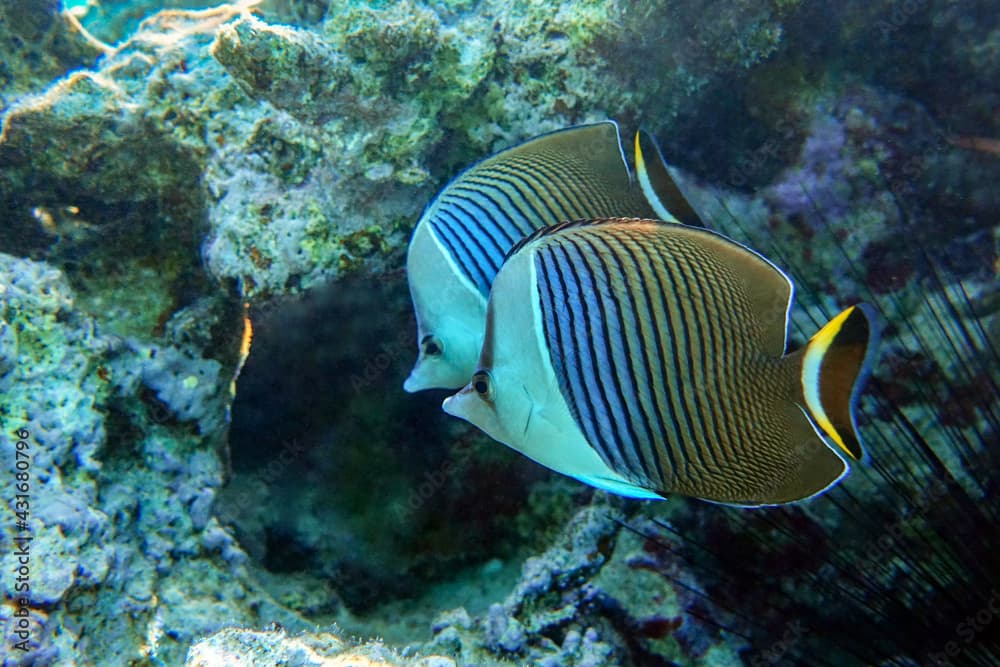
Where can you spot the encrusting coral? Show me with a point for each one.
(207, 165)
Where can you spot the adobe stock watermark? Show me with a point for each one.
(774, 653)
(784, 131)
(901, 14)
(892, 535)
(291, 451)
(376, 365)
(966, 632)
(432, 482)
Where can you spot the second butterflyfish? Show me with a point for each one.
(462, 237)
(649, 359)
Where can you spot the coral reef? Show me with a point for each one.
(103, 417)
(589, 601)
(40, 43)
(268, 160)
(276, 647)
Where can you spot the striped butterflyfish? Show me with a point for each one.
(463, 235)
(647, 358)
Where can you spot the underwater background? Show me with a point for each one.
(178, 179)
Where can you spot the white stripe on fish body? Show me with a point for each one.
(528, 412)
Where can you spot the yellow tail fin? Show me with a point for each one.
(835, 364)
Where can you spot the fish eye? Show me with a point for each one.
(483, 384)
(431, 346)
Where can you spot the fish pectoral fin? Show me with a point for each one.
(531, 410)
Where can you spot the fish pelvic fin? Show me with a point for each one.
(834, 367)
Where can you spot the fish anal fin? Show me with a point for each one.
(809, 466)
(791, 464)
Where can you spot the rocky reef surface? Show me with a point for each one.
(167, 179)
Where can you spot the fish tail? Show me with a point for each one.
(834, 366)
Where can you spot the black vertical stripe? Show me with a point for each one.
(698, 363)
(496, 213)
(563, 322)
(529, 189)
(636, 359)
(616, 353)
(470, 250)
(463, 256)
(665, 422)
(568, 198)
(737, 353)
(671, 372)
(602, 414)
(708, 318)
(463, 214)
(520, 218)
(668, 294)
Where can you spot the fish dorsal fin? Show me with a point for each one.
(659, 186)
(770, 290)
(579, 172)
(554, 230)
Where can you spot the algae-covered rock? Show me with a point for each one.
(292, 69)
(290, 142)
(276, 647)
(95, 418)
(590, 599)
(40, 42)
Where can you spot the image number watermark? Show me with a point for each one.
(21, 506)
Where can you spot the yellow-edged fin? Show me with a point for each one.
(835, 364)
(245, 340)
(659, 187)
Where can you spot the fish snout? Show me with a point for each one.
(458, 404)
(412, 383)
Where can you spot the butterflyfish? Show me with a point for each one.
(648, 359)
(465, 232)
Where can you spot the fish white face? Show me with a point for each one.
(450, 314)
(514, 396)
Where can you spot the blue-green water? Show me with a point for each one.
(206, 323)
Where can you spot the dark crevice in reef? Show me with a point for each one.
(340, 475)
(285, 554)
